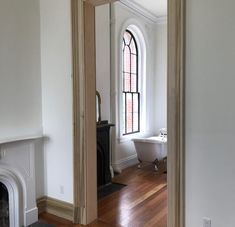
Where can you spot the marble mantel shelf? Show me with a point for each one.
(20, 138)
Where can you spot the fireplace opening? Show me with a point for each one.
(4, 206)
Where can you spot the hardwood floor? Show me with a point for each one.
(142, 203)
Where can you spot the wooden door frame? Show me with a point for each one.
(83, 51)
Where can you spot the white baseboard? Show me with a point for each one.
(31, 216)
(56, 207)
(119, 165)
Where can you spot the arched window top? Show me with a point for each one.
(130, 63)
(130, 42)
(130, 89)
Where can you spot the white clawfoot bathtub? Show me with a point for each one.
(151, 149)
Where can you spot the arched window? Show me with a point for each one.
(130, 85)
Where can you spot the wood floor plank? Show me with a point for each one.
(142, 203)
(146, 196)
(154, 220)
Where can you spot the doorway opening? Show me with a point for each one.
(131, 75)
(85, 193)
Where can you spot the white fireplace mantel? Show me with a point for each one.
(20, 138)
(17, 155)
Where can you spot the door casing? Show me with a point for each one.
(84, 93)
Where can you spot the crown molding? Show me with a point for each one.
(100, 2)
(162, 20)
(142, 11)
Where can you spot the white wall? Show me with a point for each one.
(20, 77)
(20, 83)
(124, 153)
(103, 59)
(57, 98)
(210, 112)
(160, 95)
(21, 99)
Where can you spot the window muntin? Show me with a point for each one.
(130, 89)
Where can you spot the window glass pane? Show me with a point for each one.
(126, 60)
(124, 123)
(133, 64)
(133, 47)
(124, 112)
(129, 113)
(127, 38)
(127, 82)
(136, 112)
(129, 122)
(133, 83)
(135, 103)
(129, 103)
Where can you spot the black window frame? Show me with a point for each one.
(125, 92)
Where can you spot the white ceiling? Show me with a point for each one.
(156, 7)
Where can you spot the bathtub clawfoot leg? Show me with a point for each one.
(156, 164)
(140, 164)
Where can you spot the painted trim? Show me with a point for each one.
(133, 6)
(31, 215)
(99, 2)
(16, 183)
(16, 203)
(56, 207)
(20, 138)
(122, 164)
(162, 20)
